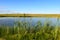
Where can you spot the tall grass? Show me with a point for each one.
(24, 30)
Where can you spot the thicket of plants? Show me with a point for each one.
(24, 30)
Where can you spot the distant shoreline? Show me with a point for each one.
(29, 15)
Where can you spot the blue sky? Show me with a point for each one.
(30, 6)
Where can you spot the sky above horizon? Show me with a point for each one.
(30, 6)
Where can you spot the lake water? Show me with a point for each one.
(10, 20)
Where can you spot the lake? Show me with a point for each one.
(9, 21)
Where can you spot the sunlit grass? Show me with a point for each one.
(24, 30)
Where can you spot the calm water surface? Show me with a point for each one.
(10, 20)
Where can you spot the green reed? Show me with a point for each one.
(24, 30)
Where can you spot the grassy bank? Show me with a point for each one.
(24, 30)
(29, 15)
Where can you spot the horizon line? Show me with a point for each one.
(30, 15)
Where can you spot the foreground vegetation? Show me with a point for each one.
(24, 30)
